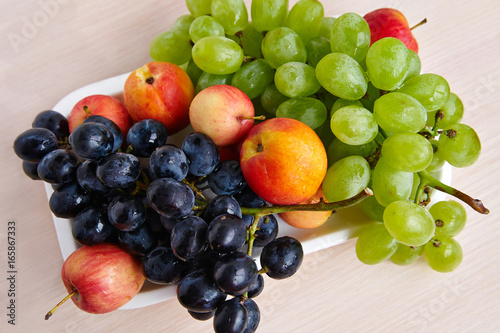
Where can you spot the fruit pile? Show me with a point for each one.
(349, 115)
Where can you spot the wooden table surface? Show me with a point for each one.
(49, 48)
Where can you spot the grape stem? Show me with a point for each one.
(427, 179)
(260, 212)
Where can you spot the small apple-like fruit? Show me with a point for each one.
(390, 22)
(102, 105)
(283, 161)
(161, 91)
(307, 219)
(223, 112)
(101, 278)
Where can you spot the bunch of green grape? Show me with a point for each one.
(385, 125)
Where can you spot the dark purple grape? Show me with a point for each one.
(202, 153)
(231, 317)
(227, 233)
(112, 127)
(198, 292)
(53, 121)
(189, 237)
(170, 197)
(145, 136)
(221, 204)
(139, 241)
(68, 200)
(59, 166)
(235, 273)
(282, 257)
(161, 266)
(119, 170)
(91, 141)
(253, 315)
(168, 161)
(91, 226)
(267, 229)
(206, 259)
(33, 144)
(31, 170)
(87, 178)
(248, 198)
(257, 287)
(126, 213)
(202, 316)
(153, 219)
(227, 178)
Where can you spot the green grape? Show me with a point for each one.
(346, 178)
(206, 80)
(305, 18)
(325, 26)
(316, 49)
(325, 133)
(372, 94)
(387, 63)
(460, 145)
(354, 125)
(232, 14)
(340, 103)
(217, 55)
(451, 113)
(182, 24)
(431, 90)
(296, 79)
(271, 98)
(251, 40)
(415, 66)
(282, 45)
(406, 255)
(308, 110)
(397, 112)
(350, 35)
(199, 7)
(373, 209)
(268, 14)
(337, 150)
(204, 26)
(342, 76)
(407, 152)
(374, 244)
(171, 46)
(193, 71)
(409, 223)
(253, 77)
(437, 157)
(443, 254)
(449, 216)
(390, 184)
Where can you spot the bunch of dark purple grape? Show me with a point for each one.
(180, 209)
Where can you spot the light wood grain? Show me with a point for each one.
(85, 41)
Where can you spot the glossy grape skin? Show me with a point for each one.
(232, 14)
(226, 233)
(217, 55)
(253, 315)
(452, 113)
(118, 170)
(202, 316)
(161, 266)
(207, 80)
(91, 226)
(170, 198)
(145, 136)
(227, 178)
(342, 76)
(387, 63)
(202, 153)
(53, 121)
(375, 244)
(199, 7)
(59, 166)
(267, 229)
(198, 292)
(460, 145)
(31, 170)
(296, 79)
(256, 288)
(354, 125)
(308, 110)
(111, 126)
(397, 112)
(408, 152)
(253, 77)
(34, 143)
(189, 237)
(443, 254)
(282, 257)
(250, 40)
(271, 98)
(305, 17)
(390, 184)
(350, 34)
(248, 198)
(235, 273)
(126, 213)
(172, 45)
(139, 241)
(204, 26)
(431, 90)
(168, 161)
(346, 178)
(373, 209)
(282, 45)
(337, 150)
(450, 217)
(268, 14)
(406, 255)
(415, 65)
(438, 159)
(87, 178)
(91, 141)
(221, 204)
(409, 223)
(68, 200)
(317, 48)
(231, 317)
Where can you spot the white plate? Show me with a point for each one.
(341, 227)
